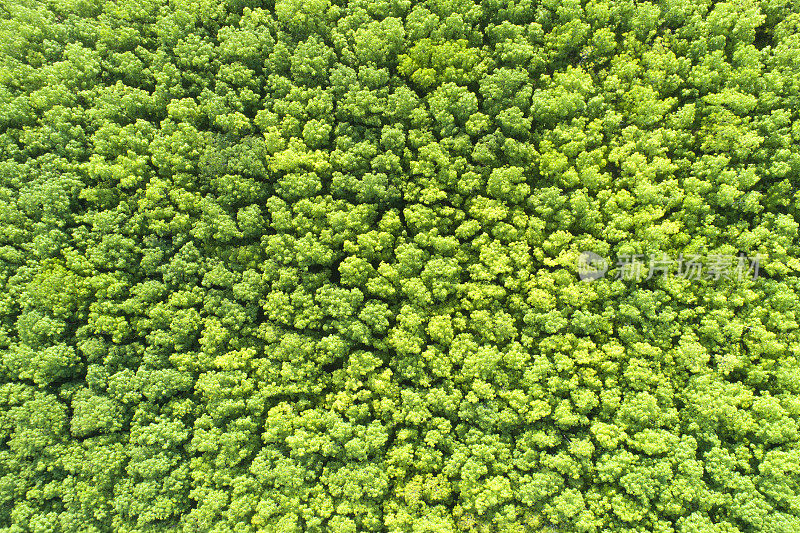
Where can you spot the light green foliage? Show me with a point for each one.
(310, 266)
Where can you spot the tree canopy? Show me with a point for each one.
(312, 266)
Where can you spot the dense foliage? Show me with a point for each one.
(310, 265)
